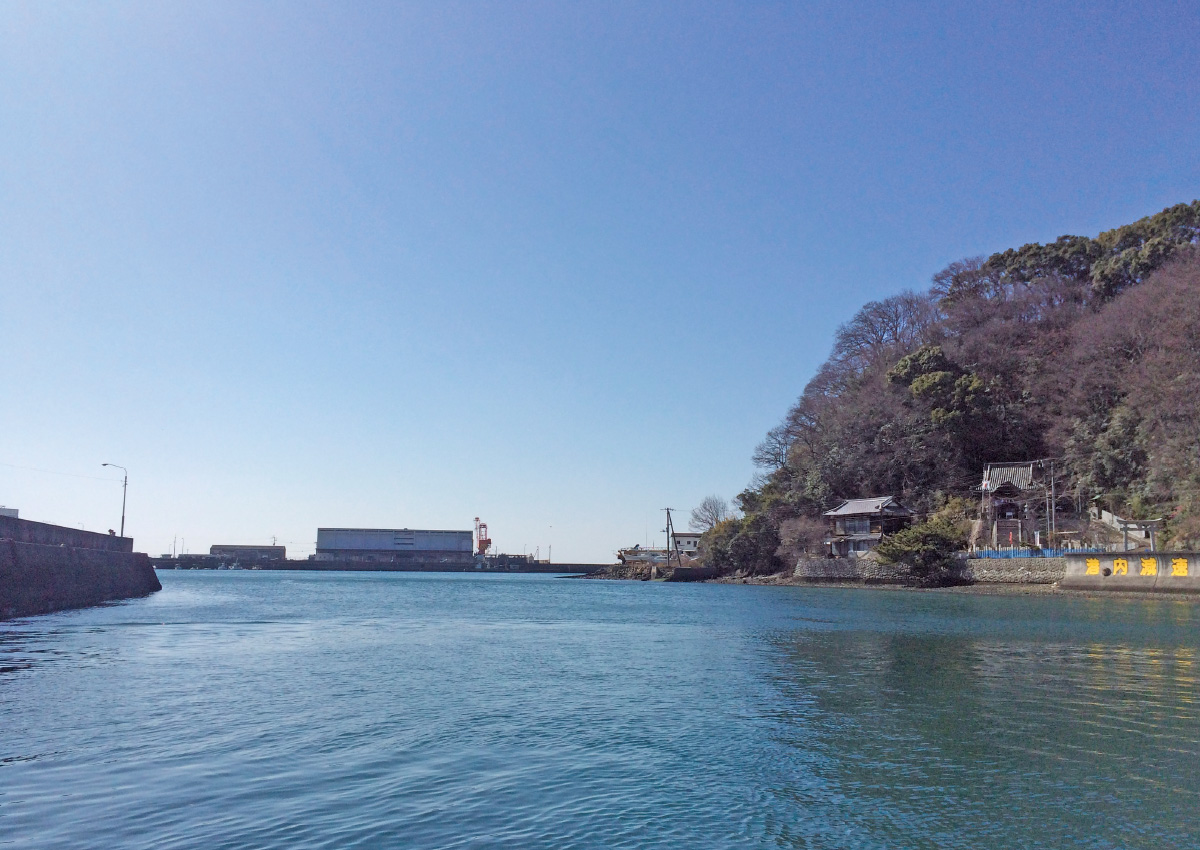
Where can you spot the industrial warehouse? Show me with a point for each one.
(399, 546)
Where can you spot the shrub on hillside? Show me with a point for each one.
(801, 537)
(926, 548)
(748, 544)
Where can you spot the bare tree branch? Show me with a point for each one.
(772, 452)
(709, 512)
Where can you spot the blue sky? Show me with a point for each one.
(557, 265)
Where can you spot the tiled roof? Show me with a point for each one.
(1020, 475)
(875, 505)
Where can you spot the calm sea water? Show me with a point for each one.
(285, 710)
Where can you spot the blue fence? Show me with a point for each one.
(1028, 553)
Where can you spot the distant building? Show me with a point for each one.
(856, 526)
(243, 554)
(1012, 494)
(687, 542)
(11, 513)
(195, 562)
(395, 545)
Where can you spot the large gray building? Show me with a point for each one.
(395, 545)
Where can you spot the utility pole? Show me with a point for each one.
(124, 490)
(1051, 499)
(670, 538)
(1047, 491)
(983, 495)
(1053, 506)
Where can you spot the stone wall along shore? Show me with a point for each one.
(968, 571)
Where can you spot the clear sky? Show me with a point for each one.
(556, 265)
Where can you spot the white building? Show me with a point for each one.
(687, 542)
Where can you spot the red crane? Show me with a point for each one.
(482, 541)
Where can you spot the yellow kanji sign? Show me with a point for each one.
(1179, 566)
(1149, 567)
(1093, 567)
(1120, 567)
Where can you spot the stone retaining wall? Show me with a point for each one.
(970, 571)
(38, 579)
(1014, 570)
(864, 570)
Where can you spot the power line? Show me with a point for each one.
(66, 474)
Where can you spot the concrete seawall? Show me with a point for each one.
(37, 578)
(691, 574)
(28, 531)
(1160, 572)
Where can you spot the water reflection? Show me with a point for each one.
(911, 715)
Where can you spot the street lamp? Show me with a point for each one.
(124, 488)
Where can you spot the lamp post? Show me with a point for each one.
(124, 489)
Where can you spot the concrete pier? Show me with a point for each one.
(45, 568)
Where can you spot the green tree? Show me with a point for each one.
(749, 544)
(927, 549)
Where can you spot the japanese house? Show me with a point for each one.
(857, 525)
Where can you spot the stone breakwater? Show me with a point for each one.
(45, 568)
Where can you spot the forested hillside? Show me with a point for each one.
(1084, 349)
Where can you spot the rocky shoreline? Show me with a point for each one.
(786, 579)
(980, 589)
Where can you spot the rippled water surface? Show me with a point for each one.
(289, 710)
